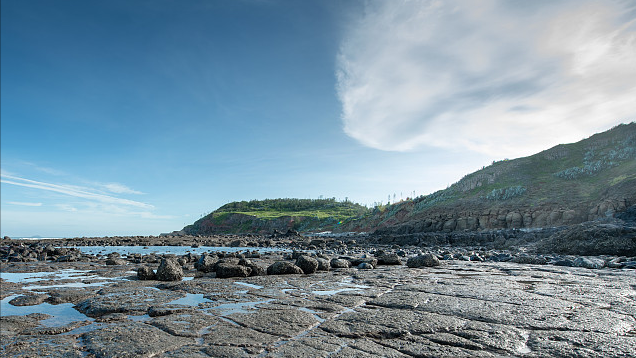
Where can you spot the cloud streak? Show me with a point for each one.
(74, 191)
(496, 77)
(20, 203)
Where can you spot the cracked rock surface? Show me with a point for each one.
(457, 309)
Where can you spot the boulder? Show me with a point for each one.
(146, 273)
(169, 270)
(308, 264)
(232, 270)
(323, 264)
(115, 261)
(340, 263)
(426, 260)
(389, 259)
(283, 268)
(206, 263)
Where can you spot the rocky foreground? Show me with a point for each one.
(369, 303)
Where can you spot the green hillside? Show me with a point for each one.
(566, 184)
(263, 216)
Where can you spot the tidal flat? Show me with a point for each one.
(459, 308)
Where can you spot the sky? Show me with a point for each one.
(138, 117)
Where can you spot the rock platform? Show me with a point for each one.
(457, 309)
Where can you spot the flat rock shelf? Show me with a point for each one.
(456, 309)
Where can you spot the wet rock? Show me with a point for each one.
(42, 346)
(340, 263)
(368, 260)
(589, 262)
(206, 263)
(70, 295)
(232, 270)
(308, 264)
(323, 264)
(190, 324)
(281, 322)
(365, 266)
(284, 268)
(169, 270)
(131, 340)
(426, 260)
(115, 261)
(389, 259)
(131, 300)
(28, 300)
(146, 273)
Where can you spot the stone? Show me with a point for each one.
(590, 263)
(389, 259)
(206, 263)
(340, 263)
(232, 270)
(115, 261)
(308, 264)
(28, 300)
(146, 273)
(426, 260)
(365, 266)
(284, 268)
(131, 340)
(323, 264)
(169, 270)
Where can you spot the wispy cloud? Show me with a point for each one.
(71, 190)
(493, 76)
(120, 189)
(23, 203)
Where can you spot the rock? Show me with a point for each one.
(340, 263)
(131, 340)
(590, 263)
(426, 260)
(323, 264)
(231, 270)
(146, 273)
(308, 264)
(28, 300)
(369, 260)
(389, 259)
(169, 270)
(129, 300)
(283, 268)
(206, 263)
(115, 261)
(6, 238)
(365, 266)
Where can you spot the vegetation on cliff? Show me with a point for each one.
(567, 184)
(264, 216)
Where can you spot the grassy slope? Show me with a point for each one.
(536, 175)
(306, 214)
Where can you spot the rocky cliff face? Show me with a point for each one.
(565, 185)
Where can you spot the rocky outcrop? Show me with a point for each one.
(169, 270)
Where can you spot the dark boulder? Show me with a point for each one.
(146, 273)
(169, 270)
(232, 270)
(284, 268)
(340, 263)
(308, 264)
(426, 260)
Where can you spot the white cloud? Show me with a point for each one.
(498, 77)
(75, 191)
(120, 189)
(24, 203)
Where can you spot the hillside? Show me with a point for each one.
(564, 185)
(265, 216)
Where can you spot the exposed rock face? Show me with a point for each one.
(426, 260)
(28, 300)
(592, 239)
(169, 270)
(308, 264)
(284, 268)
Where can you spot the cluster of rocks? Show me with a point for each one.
(34, 252)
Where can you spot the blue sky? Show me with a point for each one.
(137, 117)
